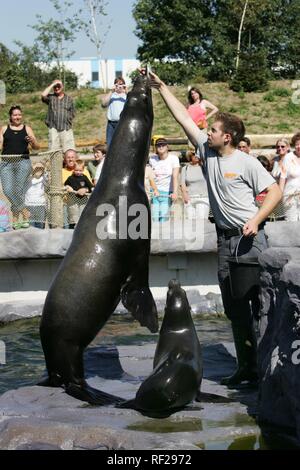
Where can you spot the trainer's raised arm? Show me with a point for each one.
(177, 109)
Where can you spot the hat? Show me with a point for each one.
(161, 140)
(155, 137)
(37, 165)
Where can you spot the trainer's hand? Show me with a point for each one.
(155, 81)
(250, 228)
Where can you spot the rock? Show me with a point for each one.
(279, 347)
(283, 234)
(47, 418)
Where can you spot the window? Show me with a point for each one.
(118, 73)
(95, 76)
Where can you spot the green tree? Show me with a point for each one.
(21, 73)
(55, 34)
(287, 59)
(209, 34)
(175, 29)
(253, 74)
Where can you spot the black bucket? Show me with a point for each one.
(244, 276)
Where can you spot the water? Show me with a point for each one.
(25, 363)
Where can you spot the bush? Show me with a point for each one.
(281, 91)
(293, 109)
(270, 97)
(252, 74)
(86, 102)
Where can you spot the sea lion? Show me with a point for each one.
(178, 369)
(99, 267)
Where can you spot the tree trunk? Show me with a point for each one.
(240, 36)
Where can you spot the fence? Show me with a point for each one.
(34, 188)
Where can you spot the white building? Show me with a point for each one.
(101, 73)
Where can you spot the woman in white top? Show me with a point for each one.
(194, 189)
(282, 149)
(165, 167)
(115, 101)
(290, 182)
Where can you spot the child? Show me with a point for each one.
(99, 154)
(268, 166)
(150, 186)
(35, 198)
(4, 217)
(77, 186)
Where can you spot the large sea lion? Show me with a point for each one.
(177, 375)
(99, 267)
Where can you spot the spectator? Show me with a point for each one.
(70, 157)
(233, 181)
(290, 182)
(4, 217)
(194, 189)
(150, 186)
(114, 101)
(197, 108)
(282, 149)
(165, 167)
(245, 146)
(35, 197)
(268, 166)
(77, 186)
(61, 112)
(99, 154)
(15, 139)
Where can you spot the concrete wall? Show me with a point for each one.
(194, 271)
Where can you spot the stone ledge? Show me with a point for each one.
(22, 305)
(35, 243)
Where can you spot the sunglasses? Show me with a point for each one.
(280, 146)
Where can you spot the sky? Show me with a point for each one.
(120, 42)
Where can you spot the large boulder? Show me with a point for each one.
(279, 347)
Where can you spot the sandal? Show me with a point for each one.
(16, 225)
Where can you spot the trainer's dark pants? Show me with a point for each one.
(238, 311)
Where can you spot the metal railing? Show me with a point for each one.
(53, 206)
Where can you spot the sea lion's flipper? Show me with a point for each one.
(158, 414)
(92, 395)
(140, 303)
(128, 404)
(212, 398)
(53, 380)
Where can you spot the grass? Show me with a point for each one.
(263, 113)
